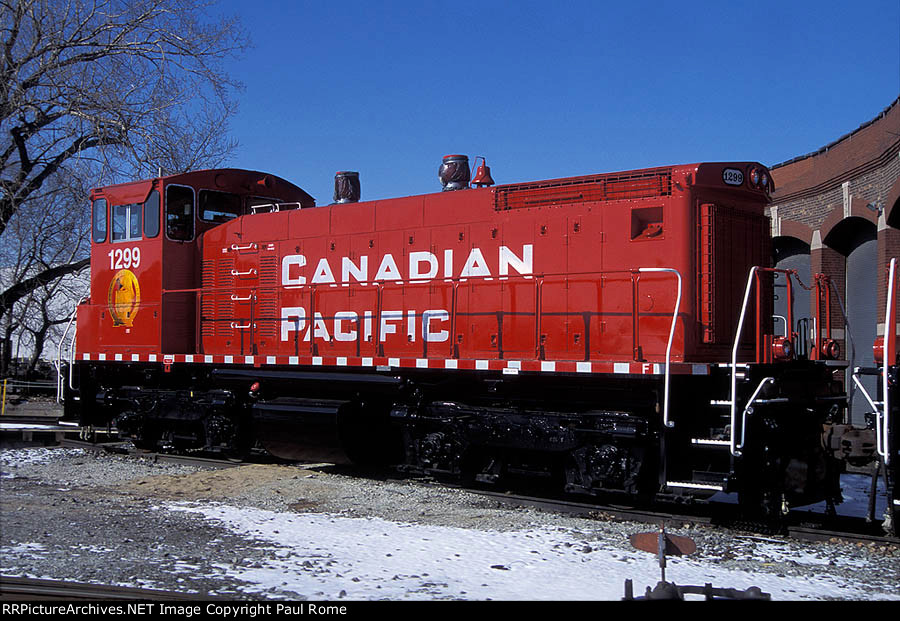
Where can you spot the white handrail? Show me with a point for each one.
(737, 339)
(666, 421)
(72, 359)
(59, 377)
(274, 207)
(888, 325)
(879, 447)
(787, 332)
(765, 380)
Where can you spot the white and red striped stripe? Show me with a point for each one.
(505, 366)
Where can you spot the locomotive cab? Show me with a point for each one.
(139, 227)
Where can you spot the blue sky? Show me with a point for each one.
(550, 89)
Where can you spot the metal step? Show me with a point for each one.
(710, 442)
(691, 485)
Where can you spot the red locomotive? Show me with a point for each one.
(611, 331)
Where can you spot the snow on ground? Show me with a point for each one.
(330, 556)
(14, 459)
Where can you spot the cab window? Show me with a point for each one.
(151, 215)
(179, 213)
(219, 206)
(98, 227)
(126, 222)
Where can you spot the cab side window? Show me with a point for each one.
(219, 206)
(179, 213)
(151, 215)
(98, 221)
(126, 222)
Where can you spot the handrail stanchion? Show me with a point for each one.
(636, 353)
(787, 330)
(737, 339)
(879, 443)
(890, 337)
(59, 377)
(666, 421)
(748, 409)
(72, 359)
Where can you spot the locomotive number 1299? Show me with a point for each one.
(124, 258)
(732, 176)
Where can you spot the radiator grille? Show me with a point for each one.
(268, 304)
(268, 271)
(611, 187)
(208, 304)
(729, 243)
(224, 303)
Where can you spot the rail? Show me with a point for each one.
(787, 328)
(666, 421)
(544, 287)
(732, 444)
(752, 278)
(890, 347)
(748, 409)
(883, 414)
(880, 446)
(762, 353)
(274, 207)
(313, 293)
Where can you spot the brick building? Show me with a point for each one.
(837, 211)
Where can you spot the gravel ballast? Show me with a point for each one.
(68, 514)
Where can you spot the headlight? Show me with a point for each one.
(754, 176)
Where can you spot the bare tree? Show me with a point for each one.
(95, 92)
(39, 317)
(43, 245)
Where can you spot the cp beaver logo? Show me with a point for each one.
(124, 298)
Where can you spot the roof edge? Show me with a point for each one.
(834, 143)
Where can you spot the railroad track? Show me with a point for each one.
(804, 526)
(30, 589)
(125, 448)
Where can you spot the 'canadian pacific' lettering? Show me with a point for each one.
(423, 266)
(431, 326)
(345, 325)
